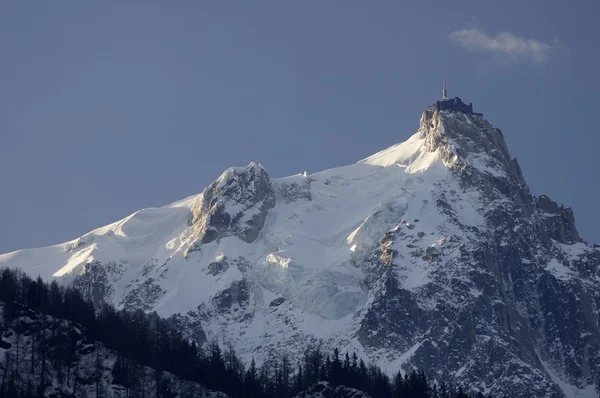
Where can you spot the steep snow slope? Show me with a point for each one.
(314, 239)
(431, 253)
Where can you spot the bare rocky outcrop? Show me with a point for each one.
(236, 295)
(144, 296)
(93, 282)
(297, 188)
(237, 203)
(559, 221)
(218, 267)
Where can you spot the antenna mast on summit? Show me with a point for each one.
(444, 92)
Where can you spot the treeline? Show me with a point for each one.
(141, 340)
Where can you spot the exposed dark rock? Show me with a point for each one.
(191, 324)
(238, 293)
(144, 296)
(218, 267)
(277, 302)
(292, 191)
(559, 221)
(242, 264)
(93, 282)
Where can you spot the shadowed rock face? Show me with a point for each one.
(218, 267)
(237, 294)
(191, 324)
(144, 296)
(93, 283)
(235, 204)
(560, 221)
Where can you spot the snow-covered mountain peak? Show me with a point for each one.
(431, 253)
(417, 153)
(233, 174)
(461, 141)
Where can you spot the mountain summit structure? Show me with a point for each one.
(454, 104)
(431, 254)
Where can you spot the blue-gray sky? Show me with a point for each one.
(107, 107)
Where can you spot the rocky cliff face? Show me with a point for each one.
(432, 254)
(511, 303)
(560, 222)
(235, 204)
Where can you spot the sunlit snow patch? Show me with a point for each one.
(558, 270)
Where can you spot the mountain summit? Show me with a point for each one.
(432, 254)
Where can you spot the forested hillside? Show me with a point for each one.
(54, 343)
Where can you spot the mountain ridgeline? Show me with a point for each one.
(432, 254)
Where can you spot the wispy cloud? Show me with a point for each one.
(505, 45)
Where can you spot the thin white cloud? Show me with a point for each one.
(506, 45)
